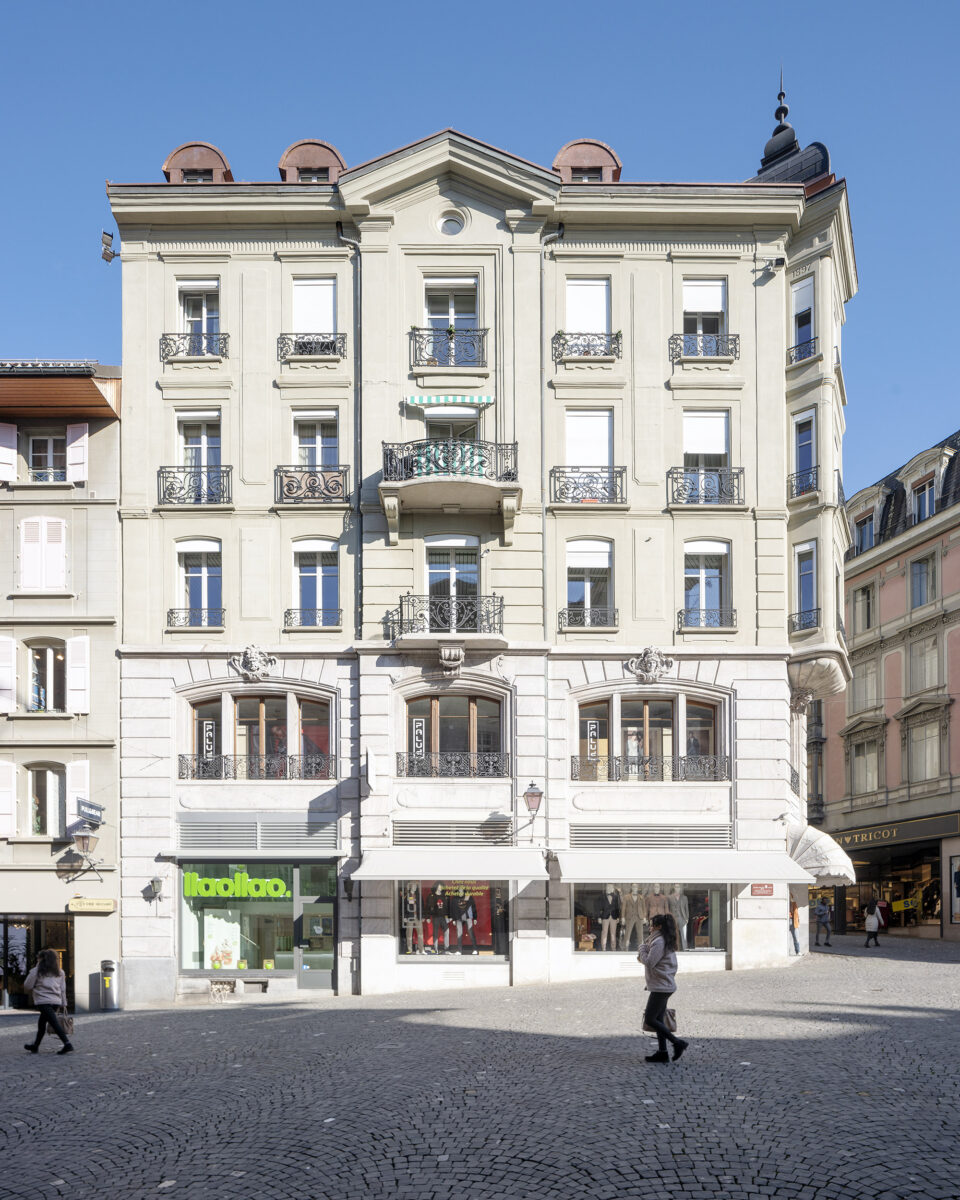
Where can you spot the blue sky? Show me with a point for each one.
(683, 92)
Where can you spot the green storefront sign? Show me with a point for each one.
(239, 886)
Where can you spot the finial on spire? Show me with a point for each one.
(782, 109)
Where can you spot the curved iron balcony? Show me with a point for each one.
(257, 766)
(453, 765)
(588, 485)
(802, 350)
(449, 614)
(703, 345)
(194, 485)
(47, 475)
(808, 619)
(802, 482)
(586, 345)
(464, 458)
(311, 485)
(721, 485)
(194, 617)
(589, 618)
(653, 768)
(311, 618)
(194, 345)
(707, 618)
(327, 345)
(449, 347)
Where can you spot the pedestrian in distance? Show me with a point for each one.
(794, 921)
(872, 922)
(49, 986)
(822, 913)
(659, 957)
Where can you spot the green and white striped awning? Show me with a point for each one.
(462, 401)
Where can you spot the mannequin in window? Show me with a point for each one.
(412, 916)
(633, 915)
(657, 903)
(437, 910)
(466, 919)
(609, 916)
(498, 921)
(680, 911)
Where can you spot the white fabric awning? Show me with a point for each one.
(440, 401)
(453, 862)
(818, 853)
(686, 866)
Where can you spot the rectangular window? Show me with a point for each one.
(314, 314)
(923, 664)
(318, 586)
(616, 916)
(48, 678)
(454, 737)
(806, 583)
(706, 585)
(802, 301)
(452, 317)
(588, 306)
(864, 686)
(207, 736)
(865, 767)
(864, 534)
(586, 174)
(43, 560)
(594, 736)
(453, 587)
(706, 440)
(924, 501)
(805, 458)
(923, 581)
(646, 739)
(202, 588)
(48, 459)
(48, 802)
(924, 751)
(313, 174)
(589, 437)
(237, 917)
(317, 443)
(863, 617)
(589, 584)
(200, 316)
(704, 317)
(469, 917)
(197, 175)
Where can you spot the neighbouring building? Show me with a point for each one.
(892, 756)
(59, 703)
(482, 532)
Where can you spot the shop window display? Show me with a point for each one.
(236, 917)
(458, 916)
(954, 878)
(617, 916)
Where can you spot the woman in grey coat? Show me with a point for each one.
(49, 986)
(659, 957)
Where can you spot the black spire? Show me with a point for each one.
(784, 138)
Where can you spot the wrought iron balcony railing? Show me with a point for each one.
(194, 345)
(703, 345)
(795, 781)
(689, 768)
(588, 485)
(449, 347)
(589, 618)
(464, 458)
(707, 618)
(586, 345)
(487, 764)
(311, 618)
(802, 350)
(257, 766)
(47, 475)
(721, 485)
(311, 485)
(808, 619)
(194, 485)
(194, 617)
(327, 345)
(802, 482)
(451, 614)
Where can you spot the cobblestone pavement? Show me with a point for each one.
(836, 1079)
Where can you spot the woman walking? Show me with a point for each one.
(49, 986)
(872, 921)
(659, 957)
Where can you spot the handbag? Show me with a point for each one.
(65, 1020)
(669, 1019)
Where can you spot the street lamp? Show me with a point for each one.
(532, 797)
(85, 841)
(156, 886)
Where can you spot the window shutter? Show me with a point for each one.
(8, 453)
(588, 553)
(588, 306)
(8, 674)
(704, 295)
(803, 295)
(589, 439)
(31, 552)
(78, 788)
(704, 433)
(77, 453)
(8, 800)
(78, 674)
(54, 553)
(314, 307)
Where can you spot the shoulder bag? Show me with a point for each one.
(669, 1019)
(65, 1020)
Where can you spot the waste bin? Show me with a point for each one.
(109, 986)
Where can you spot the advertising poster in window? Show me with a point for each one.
(458, 916)
(221, 939)
(955, 890)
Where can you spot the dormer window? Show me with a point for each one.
(198, 176)
(586, 174)
(313, 175)
(924, 500)
(864, 534)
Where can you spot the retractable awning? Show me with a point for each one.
(441, 401)
(688, 866)
(817, 852)
(455, 862)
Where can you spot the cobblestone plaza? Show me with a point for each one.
(834, 1079)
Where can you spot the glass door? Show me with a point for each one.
(315, 926)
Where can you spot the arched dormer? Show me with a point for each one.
(587, 160)
(311, 161)
(197, 162)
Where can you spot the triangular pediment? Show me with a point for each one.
(923, 706)
(863, 725)
(448, 155)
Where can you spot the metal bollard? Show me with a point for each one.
(109, 986)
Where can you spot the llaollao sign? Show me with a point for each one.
(239, 886)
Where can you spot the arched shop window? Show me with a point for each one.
(454, 736)
(276, 736)
(648, 738)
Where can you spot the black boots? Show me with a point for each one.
(67, 1049)
(33, 1047)
(660, 1056)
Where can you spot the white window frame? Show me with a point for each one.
(799, 550)
(864, 686)
(701, 548)
(51, 649)
(318, 418)
(451, 542)
(315, 546)
(56, 816)
(596, 549)
(868, 758)
(931, 560)
(53, 474)
(928, 492)
(797, 289)
(206, 420)
(931, 731)
(869, 592)
(863, 523)
(797, 419)
(919, 653)
(203, 546)
(323, 282)
(601, 283)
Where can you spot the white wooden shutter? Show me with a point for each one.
(78, 788)
(588, 306)
(77, 453)
(8, 800)
(590, 439)
(314, 306)
(704, 295)
(8, 674)
(78, 674)
(705, 433)
(54, 553)
(8, 453)
(31, 552)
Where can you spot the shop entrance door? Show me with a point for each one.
(21, 939)
(315, 928)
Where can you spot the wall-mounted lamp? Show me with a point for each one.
(532, 797)
(85, 841)
(106, 242)
(156, 887)
(348, 888)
